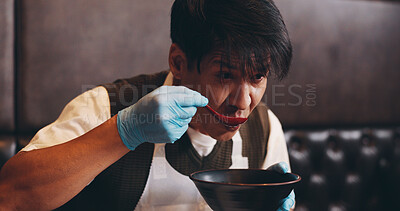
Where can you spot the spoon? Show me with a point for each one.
(231, 121)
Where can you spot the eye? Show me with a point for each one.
(258, 77)
(225, 75)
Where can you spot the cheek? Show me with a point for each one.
(189, 79)
(216, 93)
(259, 90)
(257, 94)
(192, 81)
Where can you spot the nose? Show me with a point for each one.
(240, 96)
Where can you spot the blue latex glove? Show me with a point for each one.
(161, 116)
(287, 202)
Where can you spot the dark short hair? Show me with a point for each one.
(251, 29)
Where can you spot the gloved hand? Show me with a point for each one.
(287, 202)
(161, 116)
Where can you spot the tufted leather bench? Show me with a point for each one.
(346, 169)
(7, 91)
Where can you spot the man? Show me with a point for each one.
(132, 144)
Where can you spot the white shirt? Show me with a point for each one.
(160, 194)
(202, 143)
(92, 108)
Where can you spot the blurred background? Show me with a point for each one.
(339, 107)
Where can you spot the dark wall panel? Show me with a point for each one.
(346, 66)
(8, 146)
(7, 66)
(345, 69)
(68, 45)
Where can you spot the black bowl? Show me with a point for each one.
(244, 189)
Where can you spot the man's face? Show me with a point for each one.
(229, 93)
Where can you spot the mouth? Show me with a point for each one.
(231, 122)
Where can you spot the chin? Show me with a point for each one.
(226, 136)
(215, 129)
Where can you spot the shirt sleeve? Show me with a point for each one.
(276, 148)
(79, 116)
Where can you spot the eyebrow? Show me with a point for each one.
(223, 61)
(221, 57)
(226, 64)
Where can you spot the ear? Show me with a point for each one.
(177, 61)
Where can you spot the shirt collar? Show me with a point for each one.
(169, 79)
